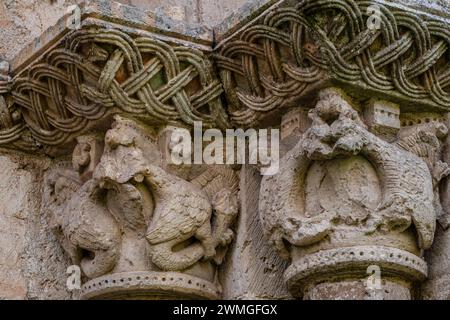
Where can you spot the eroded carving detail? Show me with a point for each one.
(426, 141)
(12, 129)
(290, 49)
(317, 201)
(123, 212)
(99, 72)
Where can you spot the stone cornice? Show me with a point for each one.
(129, 19)
(123, 60)
(294, 47)
(75, 83)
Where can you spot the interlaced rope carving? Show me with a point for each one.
(100, 72)
(286, 53)
(12, 130)
(291, 48)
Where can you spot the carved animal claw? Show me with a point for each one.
(392, 214)
(209, 252)
(305, 233)
(440, 170)
(226, 238)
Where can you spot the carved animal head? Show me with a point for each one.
(333, 105)
(128, 149)
(335, 130)
(225, 203)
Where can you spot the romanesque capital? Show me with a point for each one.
(136, 227)
(346, 199)
(355, 95)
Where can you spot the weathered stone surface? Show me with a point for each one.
(32, 265)
(22, 21)
(357, 290)
(13, 224)
(437, 286)
(359, 208)
(125, 213)
(260, 274)
(207, 12)
(320, 206)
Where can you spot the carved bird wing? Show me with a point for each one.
(60, 186)
(131, 205)
(181, 209)
(426, 146)
(423, 144)
(420, 200)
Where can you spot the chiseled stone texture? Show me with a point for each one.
(357, 290)
(22, 21)
(45, 263)
(260, 273)
(32, 265)
(439, 7)
(207, 12)
(15, 183)
(437, 286)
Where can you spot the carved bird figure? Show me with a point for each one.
(182, 214)
(179, 233)
(88, 232)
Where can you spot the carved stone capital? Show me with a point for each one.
(359, 89)
(345, 199)
(134, 226)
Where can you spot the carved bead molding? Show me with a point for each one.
(296, 46)
(100, 70)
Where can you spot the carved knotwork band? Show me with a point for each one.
(10, 128)
(293, 47)
(289, 50)
(100, 72)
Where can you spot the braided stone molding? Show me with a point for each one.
(296, 46)
(99, 72)
(11, 130)
(288, 52)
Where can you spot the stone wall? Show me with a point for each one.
(32, 264)
(23, 21)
